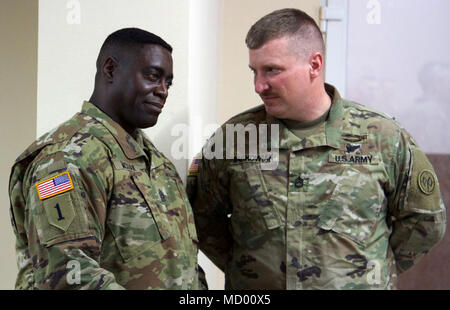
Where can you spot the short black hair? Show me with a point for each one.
(133, 37)
(123, 41)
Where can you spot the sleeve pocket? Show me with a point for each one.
(58, 219)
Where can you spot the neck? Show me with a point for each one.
(314, 106)
(105, 105)
(95, 100)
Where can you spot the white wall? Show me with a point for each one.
(203, 80)
(399, 62)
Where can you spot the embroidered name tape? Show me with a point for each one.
(54, 186)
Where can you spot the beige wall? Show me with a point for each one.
(18, 78)
(236, 80)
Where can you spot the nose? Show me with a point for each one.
(162, 90)
(261, 84)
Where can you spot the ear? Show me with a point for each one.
(109, 69)
(316, 65)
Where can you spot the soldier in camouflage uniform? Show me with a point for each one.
(352, 201)
(94, 205)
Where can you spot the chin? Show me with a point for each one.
(148, 123)
(273, 111)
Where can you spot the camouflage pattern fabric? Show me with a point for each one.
(348, 207)
(127, 222)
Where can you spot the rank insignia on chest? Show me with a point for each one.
(54, 186)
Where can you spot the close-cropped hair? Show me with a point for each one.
(289, 22)
(130, 37)
(127, 41)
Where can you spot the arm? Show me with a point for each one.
(59, 238)
(208, 195)
(419, 214)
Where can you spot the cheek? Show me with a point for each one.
(141, 87)
(296, 82)
(279, 82)
(284, 85)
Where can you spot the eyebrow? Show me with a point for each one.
(159, 69)
(269, 65)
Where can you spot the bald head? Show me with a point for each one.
(303, 32)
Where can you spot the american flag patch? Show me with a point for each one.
(54, 186)
(194, 165)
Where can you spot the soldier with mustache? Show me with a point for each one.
(352, 201)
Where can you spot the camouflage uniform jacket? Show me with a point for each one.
(348, 207)
(127, 222)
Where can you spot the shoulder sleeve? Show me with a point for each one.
(62, 216)
(419, 217)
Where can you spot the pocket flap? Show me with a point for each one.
(160, 219)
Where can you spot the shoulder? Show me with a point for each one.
(381, 132)
(251, 116)
(74, 141)
(356, 111)
(372, 121)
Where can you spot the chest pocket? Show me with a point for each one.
(356, 202)
(254, 213)
(145, 209)
(174, 201)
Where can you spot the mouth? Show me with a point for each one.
(154, 106)
(269, 98)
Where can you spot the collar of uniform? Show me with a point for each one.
(129, 145)
(154, 155)
(327, 134)
(334, 122)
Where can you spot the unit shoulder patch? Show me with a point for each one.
(60, 211)
(426, 181)
(423, 194)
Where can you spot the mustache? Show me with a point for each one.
(268, 94)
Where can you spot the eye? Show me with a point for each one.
(154, 77)
(273, 70)
(168, 84)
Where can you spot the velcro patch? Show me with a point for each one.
(427, 182)
(423, 194)
(54, 186)
(193, 168)
(60, 212)
(346, 158)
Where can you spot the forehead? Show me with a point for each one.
(275, 51)
(152, 55)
